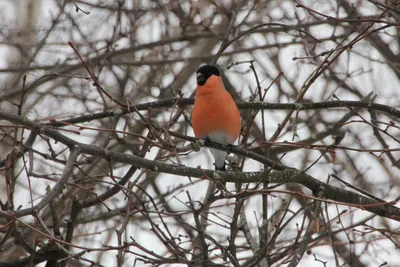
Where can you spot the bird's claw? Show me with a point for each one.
(233, 160)
(198, 144)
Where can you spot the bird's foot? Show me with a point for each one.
(198, 144)
(233, 160)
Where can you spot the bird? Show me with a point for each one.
(215, 115)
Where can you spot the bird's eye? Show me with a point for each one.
(201, 79)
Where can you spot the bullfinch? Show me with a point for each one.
(215, 115)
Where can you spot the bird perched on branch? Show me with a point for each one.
(215, 115)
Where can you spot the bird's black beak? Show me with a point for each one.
(201, 79)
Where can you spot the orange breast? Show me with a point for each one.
(215, 110)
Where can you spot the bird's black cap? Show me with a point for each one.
(204, 72)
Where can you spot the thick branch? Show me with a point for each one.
(286, 175)
(242, 105)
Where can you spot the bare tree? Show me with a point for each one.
(100, 166)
